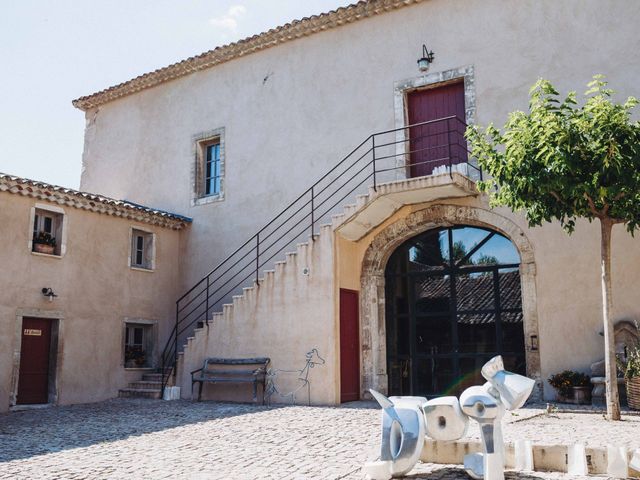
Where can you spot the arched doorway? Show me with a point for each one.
(453, 300)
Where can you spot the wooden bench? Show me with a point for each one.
(232, 370)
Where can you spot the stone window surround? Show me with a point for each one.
(153, 324)
(57, 319)
(373, 353)
(63, 240)
(401, 90)
(199, 143)
(152, 254)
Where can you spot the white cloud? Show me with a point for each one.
(229, 21)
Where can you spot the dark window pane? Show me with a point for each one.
(397, 292)
(208, 173)
(399, 377)
(475, 291)
(137, 335)
(512, 332)
(433, 335)
(35, 224)
(48, 224)
(431, 249)
(434, 376)
(477, 333)
(432, 294)
(139, 242)
(510, 291)
(399, 333)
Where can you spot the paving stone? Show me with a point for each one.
(135, 438)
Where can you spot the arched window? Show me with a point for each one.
(453, 301)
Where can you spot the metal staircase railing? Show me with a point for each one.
(426, 148)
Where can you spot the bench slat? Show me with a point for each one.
(213, 375)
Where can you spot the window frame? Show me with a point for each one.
(59, 220)
(202, 174)
(149, 342)
(148, 250)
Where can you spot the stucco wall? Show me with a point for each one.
(96, 291)
(288, 315)
(292, 111)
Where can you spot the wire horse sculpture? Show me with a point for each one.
(313, 358)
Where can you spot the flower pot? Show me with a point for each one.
(633, 392)
(581, 395)
(44, 248)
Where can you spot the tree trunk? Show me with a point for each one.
(613, 401)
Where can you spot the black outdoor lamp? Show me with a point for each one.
(426, 59)
(48, 292)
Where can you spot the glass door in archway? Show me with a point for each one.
(453, 301)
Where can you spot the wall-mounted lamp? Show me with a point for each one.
(48, 292)
(534, 343)
(426, 59)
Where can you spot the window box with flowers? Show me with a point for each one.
(44, 242)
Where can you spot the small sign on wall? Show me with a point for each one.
(32, 332)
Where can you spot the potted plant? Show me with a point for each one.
(572, 387)
(631, 370)
(581, 388)
(134, 356)
(562, 382)
(44, 242)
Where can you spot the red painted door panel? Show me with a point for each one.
(435, 144)
(349, 347)
(33, 383)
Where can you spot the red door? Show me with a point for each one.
(349, 347)
(33, 383)
(440, 141)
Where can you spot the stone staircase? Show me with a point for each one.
(305, 275)
(149, 386)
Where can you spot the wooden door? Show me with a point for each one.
(349, 346)
(437, 143)
(33, 383)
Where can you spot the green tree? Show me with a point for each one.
(562, 161)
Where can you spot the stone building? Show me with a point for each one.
(84, 315)
(334, 203)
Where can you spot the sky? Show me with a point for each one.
(54, 52)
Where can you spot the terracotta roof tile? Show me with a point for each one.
(91, 201)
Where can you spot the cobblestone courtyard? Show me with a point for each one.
(140, 439)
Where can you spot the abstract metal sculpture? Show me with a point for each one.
(313, 358)
(406, 420)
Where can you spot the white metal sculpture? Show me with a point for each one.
(301, 381)
(406, 420)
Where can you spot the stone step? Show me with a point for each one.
(146, 385)
(139, 393)
(152, 377)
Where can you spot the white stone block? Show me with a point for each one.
(617, 465)
(524, 455)
(577, 460)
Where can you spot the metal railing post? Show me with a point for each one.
(312, 213)
(206, 311)
(257, 259)
(373, 151)
(449, 147)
